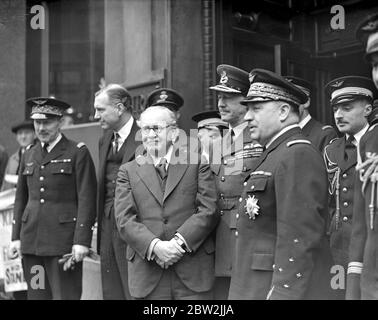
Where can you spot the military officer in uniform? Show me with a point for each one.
(163, 97)
(362, 267)
(55, 206)
(281, 246)
(320, 135)
(238, 153)
(210, 132)
(351, 98)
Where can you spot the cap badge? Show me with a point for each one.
(163, 95)
(40, 102)
(224, 78)
(251, 77)
(338, 84)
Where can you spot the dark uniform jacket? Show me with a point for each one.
(104, 145)
(363, 250)
(283, 253)
(230, 175)
(55, 199)
(144, 212)
(341, 187)
(319, 134)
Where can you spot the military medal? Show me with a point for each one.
(252, 207)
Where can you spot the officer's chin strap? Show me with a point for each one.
(370, 175)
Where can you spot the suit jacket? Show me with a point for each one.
(230, 175)
(364, 239)
(319, 134)
(12, 167)
(55, 199)
(343, 172)
(188, 206)
(104, 145)
(283, 253)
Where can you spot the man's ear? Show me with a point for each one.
(120, 108)
(284, 111)
(367, 110)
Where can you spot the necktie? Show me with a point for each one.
(232, 134)
(350, 150)
(115, 142)
(161, 168)
(44, 150)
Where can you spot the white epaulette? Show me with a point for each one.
(327, 127)
(290, 143)
(80, 145)
(372, 127)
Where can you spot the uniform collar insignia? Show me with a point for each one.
(39, 102)
(251, 77)
(163, 95)
(338, 84)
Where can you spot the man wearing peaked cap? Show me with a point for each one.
(282, 250)
(25, 136)
(351, 98)
(167, 98)
(319, 134)
(55, 207)
(362, 268)
(238, 153)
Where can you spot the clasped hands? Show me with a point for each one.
(167, 253)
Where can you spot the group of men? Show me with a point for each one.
(261, 208)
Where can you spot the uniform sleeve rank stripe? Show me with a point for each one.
(60, 160)
(327, 127)
(80, 144)
(290, 143)
(355, 267)
(28, 164)
(263, 173)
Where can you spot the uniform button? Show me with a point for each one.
(42, 189)
(244, 184)
(273, 266)
(296, 240)
(345, 175)
(42, 201)
(280, 269)
(345, 219)
(223, 179)
(221, 212)
(237, 216)
(236, 233)
(291, 259)
(221, 195)
(113, 181)
(286, 286)
(240, 199)
(345, 204)
(81, 225)
(252, 187)
(61, 170)
(74, 219)
(42, 167)
(299, 275)
(41, 178)
(14, 221)
(345, 189)
(225, 161)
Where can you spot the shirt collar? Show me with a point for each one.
(306, 120)
(167, 156)
(52, 144)
(292, 126)
(239, 128)
(125, 130)
(359, 134)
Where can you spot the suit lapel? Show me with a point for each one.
(146, 171)
(57, 151)
(130, 144)
(176, 170)
(104, 151)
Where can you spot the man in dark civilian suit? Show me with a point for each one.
(165, 209)
(118, 144)
(319, 135)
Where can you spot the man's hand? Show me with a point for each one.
(14, 249)
(79, 252)
(160, 263)
(168, 251)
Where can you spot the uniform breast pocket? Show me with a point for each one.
(257, 184)
(61, 168)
